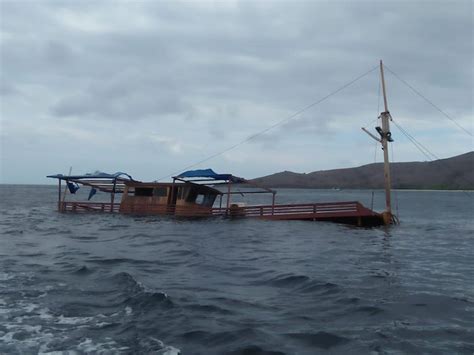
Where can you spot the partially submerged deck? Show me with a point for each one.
(352, 212)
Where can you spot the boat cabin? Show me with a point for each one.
(192, 193)
(182, 198)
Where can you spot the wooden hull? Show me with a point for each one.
(340, 212)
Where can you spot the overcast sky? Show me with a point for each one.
(150, 88)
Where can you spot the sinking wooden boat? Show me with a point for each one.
(204, 193)
(185, 197)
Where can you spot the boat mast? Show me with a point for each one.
(386, 137)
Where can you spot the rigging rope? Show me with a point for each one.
(427, 154)
(428, 101)
(279, 123)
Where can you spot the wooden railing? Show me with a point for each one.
(332, 209)
(72, 206)
(303, 210)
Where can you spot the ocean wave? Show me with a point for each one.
(322, 339)
(287, 280)
(254, 350)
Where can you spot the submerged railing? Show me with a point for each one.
(303, 210)
(73, 206)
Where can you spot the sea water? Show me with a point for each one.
(114, 284)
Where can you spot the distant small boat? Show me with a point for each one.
(194, 193)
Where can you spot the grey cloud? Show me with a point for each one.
(131, 107)
(226, 70)
(7, 89)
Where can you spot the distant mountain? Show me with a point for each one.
(452, 173)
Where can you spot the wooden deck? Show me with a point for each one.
(352, 212)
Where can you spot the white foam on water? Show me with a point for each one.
(5, 277)
(73, 320)
(36, 329)
(88, 346)
(45, 314)
(102, 324)
(29, 307)
(165, 349)
(169, 350)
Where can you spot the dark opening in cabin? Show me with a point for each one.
(192, 195)
(160, 191)
(181, 192)
(201, 198)
(143, 191)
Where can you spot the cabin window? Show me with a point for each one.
(191, 196)
(181, 193)
(143, 191)
(206, 200)
(160, 191)
(209, 200)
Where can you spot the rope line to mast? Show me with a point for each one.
(429, 101)
(425, 151)
(279, 123)
(433, 158)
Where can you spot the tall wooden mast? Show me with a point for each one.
(385, 138)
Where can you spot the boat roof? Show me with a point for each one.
(116, 183)
(97, 175)
(99, 180)
(208, 175)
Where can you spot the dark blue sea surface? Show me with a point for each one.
(108, 284)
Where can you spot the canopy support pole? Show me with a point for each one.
(59, 195)
(273, 202)
(112, 196)
(228, 195)
(170, 209)
(65, 192)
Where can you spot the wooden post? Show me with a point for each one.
(65, 191)
(273, 203)
(112, 196)
(59, 195)
(385, 116)
(228, 195)
(170, 198)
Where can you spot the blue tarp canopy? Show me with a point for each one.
(96, 175)
(211, 174)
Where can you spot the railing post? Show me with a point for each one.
(59, 195)
(228, 196)
(273, 203)
(112, 197)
